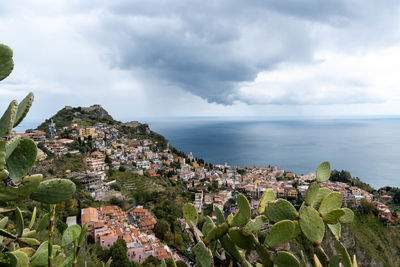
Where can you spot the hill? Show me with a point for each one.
(85, 116)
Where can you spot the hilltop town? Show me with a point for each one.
(111, 158)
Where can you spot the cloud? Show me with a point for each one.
(223, 57)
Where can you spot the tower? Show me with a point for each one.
(52, 129)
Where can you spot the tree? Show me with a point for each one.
(178, 239)
(396, 197)
(118, 254)
(161, 228)
(366, 206)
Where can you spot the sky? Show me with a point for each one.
(158, 58)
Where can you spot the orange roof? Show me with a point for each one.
(65, 140)
(89, 215)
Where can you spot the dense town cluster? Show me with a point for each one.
(212, 185)
(108, 223)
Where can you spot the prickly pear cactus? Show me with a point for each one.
(232, 239)
(19, 244)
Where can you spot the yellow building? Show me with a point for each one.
(86, 131)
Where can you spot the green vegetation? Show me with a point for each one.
(239, 236)
(345, 177)
(378, 243)
(20, 245)
(81, 116)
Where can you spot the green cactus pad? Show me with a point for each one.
(19, 222)
(54, 191)
(28, 241)
(244, 241)
(297, 229)
(216, 233)
(317, 263)
(336, 229)
(268, 196)
(322, 193)
(220, 216)
(229, 219)
(331, 202)
(23, 191)
(19, 258)
(333, 216)
(190, 213)
(253, 226)
(28, 233)
(311, 193)
(312, 225)
(285, 259)
(21, 161)
(7, 120)
(204, 257)
(23, 109)
(28, 251)
(44, 222)
(334, 261)
(280, 232)
(41, 255)
(348, 216)
(244, 214)
(70, 234)
(3, 222)
(6, 61)
(11, 145)
(208, 225)
(4, 174)
(340, 249)
(33, 218)
(7, 234)
(323, 172)
(281, 209)
(230, 248)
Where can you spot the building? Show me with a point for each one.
(87, 131)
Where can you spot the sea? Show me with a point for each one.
(369, 148)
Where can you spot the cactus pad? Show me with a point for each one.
(242, 240)
(204, 257)
(333, 216)
(19, 222)
(312, 193)
(70, 234)
(21, 161)
(268, 196)
(312, 225)
(53, 191)
(253, 226)
(231, 248)
(208, 225)
(190, 213)
(348, 216)
(340, 249)
(281, 209)
(336, 229)
(322, 193)
(285, 259)
(323, 172)
(220, 216)
(19, 258)
(6, 61)
(280, 232)
(330, 202)
(11, 145)
(23, 191)
(7, 120)
(243, 216)
(23, 109)
(216, 233)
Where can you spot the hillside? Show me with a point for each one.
(85, 116)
